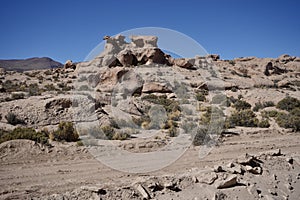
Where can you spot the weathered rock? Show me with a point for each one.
(144, 41)
(255, 170)
(58, 102)
(207, 178)
(69, 65)
(249, 160)
(185, 63)
(275, 152)
(151, 87)
(2, 70)
(126, 58)
(286, 58)
(145, 194)
(214, 57)
(150, 55)
(226, 182)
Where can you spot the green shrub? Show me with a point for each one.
(79, 143)
(270, 113)
(24, 133)
(243, 118)
(173, 132)
(260, 105)
(120, 135)
(108, 131)
(241, 105)
(66, 132)
(34, 90)
(13, 119)
(169, 104)
(291, 120)
(264, 123)
(288, 103)
(200, 97)
(212, 113)
(200, 137)
(17, 96)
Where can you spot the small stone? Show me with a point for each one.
(272, 192)
(194, 179)
(290, 160)
(218, 168)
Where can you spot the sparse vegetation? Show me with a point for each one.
(200, 137)
(288, 103)
(200, 96)
(24, 133)
(260, 105)
(245, 118)
(13, 119)
(241, 105)
(66, 132)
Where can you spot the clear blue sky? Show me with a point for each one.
(70, 29)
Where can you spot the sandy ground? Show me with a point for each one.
(28, 170)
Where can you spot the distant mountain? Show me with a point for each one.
(29, 64)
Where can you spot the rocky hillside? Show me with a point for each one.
(141, 100)
(29, 64)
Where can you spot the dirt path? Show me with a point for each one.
(32, 172)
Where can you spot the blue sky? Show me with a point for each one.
(70, 29)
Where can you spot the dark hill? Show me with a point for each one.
(29, 64)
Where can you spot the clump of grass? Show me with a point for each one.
(24, 133)
(65, 132)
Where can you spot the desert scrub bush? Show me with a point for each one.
(34, 90)
(241, 105)
(17, 95)
(50, 87)
(108, 132)
(212, 113)
(13, 119)
(260, 105)
(24, 133)
(120, 135)
(188, 126)
(288, 103)
(66, 132)
(264, 123)
(79, 143)
(269, 113)
(289, 120)
(218, 99)
(200, 137)
(232, 62)
(245, 118)
(169, 104)
(172, 132)
(200, 96)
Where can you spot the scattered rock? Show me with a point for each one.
(226, 182)
(145, 194)
(185, 63)
(207, 178)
